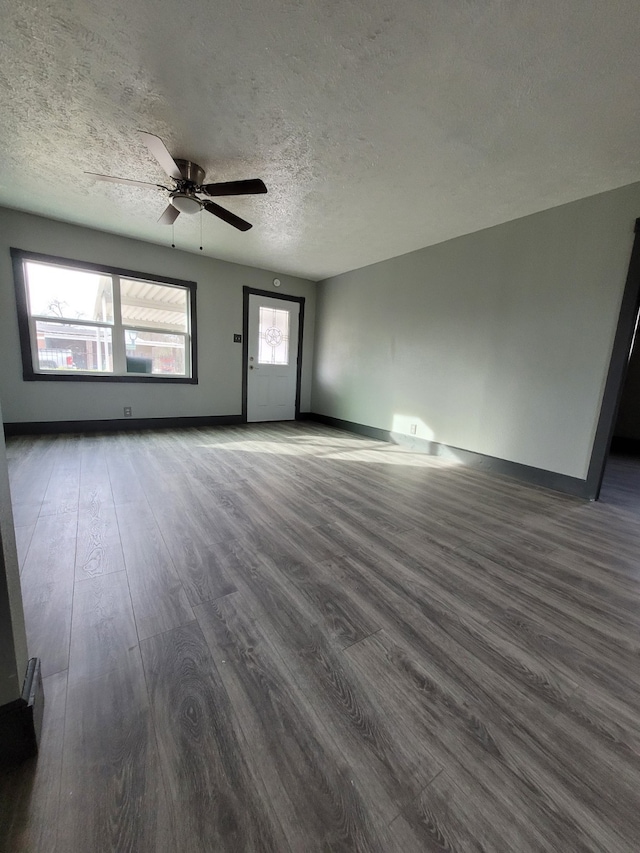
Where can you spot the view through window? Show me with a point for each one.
(101, 323)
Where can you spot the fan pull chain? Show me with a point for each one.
(200, 229)
(173, 235)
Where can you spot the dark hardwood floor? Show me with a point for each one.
(289, 638)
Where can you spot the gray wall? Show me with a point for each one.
(219, 303)
(497, 342)
(13, 641)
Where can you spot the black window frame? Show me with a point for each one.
(29, 374)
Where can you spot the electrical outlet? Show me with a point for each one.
(413, 428)
(127, 411)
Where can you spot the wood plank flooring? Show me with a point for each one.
(289, 638)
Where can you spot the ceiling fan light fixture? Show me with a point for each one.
(187, 184)
(186, 203)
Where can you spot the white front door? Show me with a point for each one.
(272, 366)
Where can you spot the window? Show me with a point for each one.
(86, 322)
(273, 336)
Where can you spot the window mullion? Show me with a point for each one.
(187, 355)
(118, 345)
(68, 321)
(34, 344)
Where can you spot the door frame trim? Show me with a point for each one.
(252, 291)
(618, 363)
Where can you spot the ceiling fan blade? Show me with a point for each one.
(169, 216)
(159, 150)
(255, 185)
(227, 216)
(122, 180)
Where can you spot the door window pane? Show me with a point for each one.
(155, 353)
(69, 346)
(154, 306)
(273, 336)
(69, 294)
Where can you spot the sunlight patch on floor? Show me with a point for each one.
(361, 450)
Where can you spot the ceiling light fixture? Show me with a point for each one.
(186, 203)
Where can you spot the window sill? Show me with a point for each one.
(85, 377)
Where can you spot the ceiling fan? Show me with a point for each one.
(188, 180)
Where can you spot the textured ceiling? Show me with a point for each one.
(378, 127)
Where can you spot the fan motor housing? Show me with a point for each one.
(184, 198)
(191, 172)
